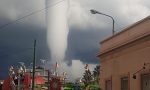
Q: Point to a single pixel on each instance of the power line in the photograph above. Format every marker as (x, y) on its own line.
(32, 13)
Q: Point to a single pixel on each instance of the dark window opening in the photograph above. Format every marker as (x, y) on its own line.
(108, 85)
(124, 83)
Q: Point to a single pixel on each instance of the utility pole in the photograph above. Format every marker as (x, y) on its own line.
(48, 79)
(34, 61)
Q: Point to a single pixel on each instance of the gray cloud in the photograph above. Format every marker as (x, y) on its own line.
(84, 44)
(125, 12)
(17, 45)
(14, 9)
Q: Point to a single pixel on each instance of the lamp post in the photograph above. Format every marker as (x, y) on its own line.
(97, 12)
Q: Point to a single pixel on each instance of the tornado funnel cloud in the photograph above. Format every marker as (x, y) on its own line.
(57, 29)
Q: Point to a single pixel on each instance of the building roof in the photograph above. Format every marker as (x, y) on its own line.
(128, 35)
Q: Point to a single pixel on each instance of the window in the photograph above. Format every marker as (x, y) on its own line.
(108, 85)
(124, 83)
(145, 82)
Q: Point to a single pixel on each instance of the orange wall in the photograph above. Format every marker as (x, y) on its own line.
(126, 60)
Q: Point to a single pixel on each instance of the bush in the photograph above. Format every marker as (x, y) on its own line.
(67, 88)
(94, 87)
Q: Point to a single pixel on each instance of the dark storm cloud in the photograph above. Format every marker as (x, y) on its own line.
(84, 44)
(16, 45)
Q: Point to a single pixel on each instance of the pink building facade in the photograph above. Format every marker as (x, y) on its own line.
(125, 58)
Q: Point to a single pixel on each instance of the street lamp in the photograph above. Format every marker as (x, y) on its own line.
(96, 12)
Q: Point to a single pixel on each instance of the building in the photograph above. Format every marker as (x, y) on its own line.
(21, 79)
(125, 58)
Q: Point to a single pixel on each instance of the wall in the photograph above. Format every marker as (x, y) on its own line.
(126, 59)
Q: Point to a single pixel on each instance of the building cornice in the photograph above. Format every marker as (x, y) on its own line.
(126, 29)
(132, 47)
(136, 31)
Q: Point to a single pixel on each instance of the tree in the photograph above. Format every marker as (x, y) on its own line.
(96, 73)
(87, 76)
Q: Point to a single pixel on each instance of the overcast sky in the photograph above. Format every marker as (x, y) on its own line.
(86, 30)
